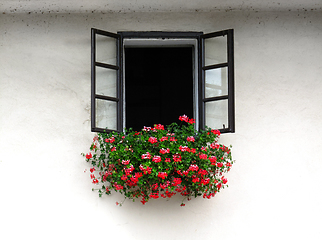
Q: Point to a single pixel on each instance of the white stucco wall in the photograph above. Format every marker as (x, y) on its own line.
(275, 185)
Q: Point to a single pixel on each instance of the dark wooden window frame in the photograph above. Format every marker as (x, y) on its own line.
(202, 68)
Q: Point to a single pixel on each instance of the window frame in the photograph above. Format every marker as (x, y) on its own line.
(231, 83)
(200, 72)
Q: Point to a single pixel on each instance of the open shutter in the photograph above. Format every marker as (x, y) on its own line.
(106, 91)
(217, 81)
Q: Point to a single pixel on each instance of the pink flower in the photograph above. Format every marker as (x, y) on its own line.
(125, 162)
(224, 180)
(192, 150)
(167, 160)
(118, 187)
(215, 131)
(190, 139)
(205, 181)
(184, 149)
(146, 156)
(162, 175)
(193, 167)
(195, 179)
(110, 140)
(156, 159)
(113, 149)
(147, 170)
(163, 139)
(176, 158)
(213, 160)
(202, 172)
(158, 127)
(147, 129)
(88, 155)
(153, 140)
(176, 181)
(92, 169)
(214, 146)
(154, 195)
(204, 149)
(164, 185)
(220, 164)
(203, 156)
(164, 151)
(129, 170)
(184, 118)
(192, 121)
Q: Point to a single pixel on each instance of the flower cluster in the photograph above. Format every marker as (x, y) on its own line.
(160, 161)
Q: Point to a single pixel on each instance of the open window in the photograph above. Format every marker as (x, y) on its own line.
(162, 75)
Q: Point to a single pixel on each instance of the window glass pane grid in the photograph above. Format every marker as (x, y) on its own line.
(106, 49)
(106, 113)
(216, 50)
(216, 82)
(106, 82)
(217, 114)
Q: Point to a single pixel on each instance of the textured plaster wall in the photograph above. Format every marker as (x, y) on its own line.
(274, 190)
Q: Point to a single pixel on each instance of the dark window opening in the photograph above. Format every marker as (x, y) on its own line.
(158, 85)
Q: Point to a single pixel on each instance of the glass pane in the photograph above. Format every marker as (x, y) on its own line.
(105, 82)
(215, 50)
(216, 82)
(105, 49)
(217, 114)
(106, 114)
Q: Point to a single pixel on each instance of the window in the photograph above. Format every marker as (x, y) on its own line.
(128, 67)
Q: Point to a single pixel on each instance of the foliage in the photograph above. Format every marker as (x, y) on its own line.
(160, 162)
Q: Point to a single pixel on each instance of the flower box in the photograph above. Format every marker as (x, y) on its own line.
(160, 162)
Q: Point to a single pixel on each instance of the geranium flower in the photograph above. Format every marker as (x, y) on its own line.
(193, 167)
(153, 140)
(156, 159)
(162, 175)
(176, 158)
(224, 180)
(190, 139)
(220, 164)
(184, 118)
(158, 127)
(146, 156)
(164, 138)
(191, 121)
(203, 156)
(164, 151)
(184, 149)
(125, 162)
